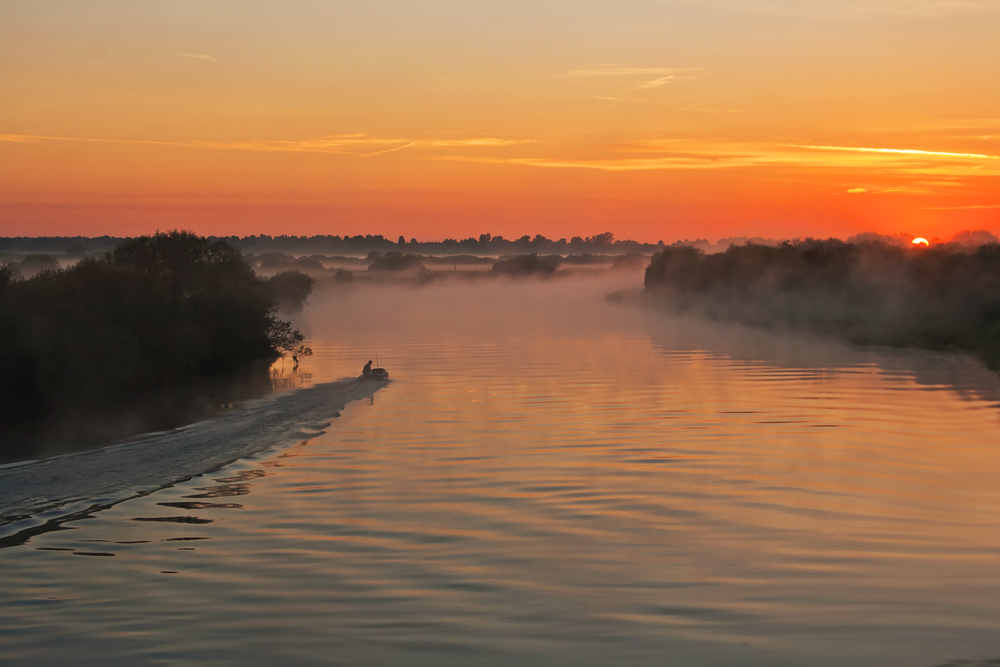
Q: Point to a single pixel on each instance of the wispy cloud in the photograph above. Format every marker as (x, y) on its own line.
(621, 164)
(903, 189)
(199, 56)
(644, 76)
(38, 138)
(925, 172)
(347, 144)
(711, 110)
(971, 207)
(665, 154)
(656, 83)
(390, 150)
(613, 69)
(897, 151)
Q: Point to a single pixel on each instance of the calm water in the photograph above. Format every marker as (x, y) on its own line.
(552, 479)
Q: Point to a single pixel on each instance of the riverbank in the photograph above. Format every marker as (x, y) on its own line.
(111, 474)
(942, 299)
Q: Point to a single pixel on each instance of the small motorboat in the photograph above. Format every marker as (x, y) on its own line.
(380, 374)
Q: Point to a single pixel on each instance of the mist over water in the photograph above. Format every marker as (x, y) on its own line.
(551, 478)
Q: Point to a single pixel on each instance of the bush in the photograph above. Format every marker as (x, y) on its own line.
(527, 265)
(290, 288)
(34, 264)
(395, 261)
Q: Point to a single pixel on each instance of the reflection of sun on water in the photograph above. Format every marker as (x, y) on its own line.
(921, 241)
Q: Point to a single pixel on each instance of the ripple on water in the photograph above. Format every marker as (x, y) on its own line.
(615, 488)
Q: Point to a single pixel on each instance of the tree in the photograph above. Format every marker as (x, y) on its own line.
(291, 288)
(605, 239)
(155, 321)
(9, 273)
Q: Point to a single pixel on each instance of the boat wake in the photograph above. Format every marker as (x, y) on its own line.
(33, 494)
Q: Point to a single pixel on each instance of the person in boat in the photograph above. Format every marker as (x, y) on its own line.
(367, 372)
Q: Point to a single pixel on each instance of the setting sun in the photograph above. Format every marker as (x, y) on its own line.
(921, 241)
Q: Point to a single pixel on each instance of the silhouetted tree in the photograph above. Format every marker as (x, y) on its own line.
(155, 316)
(527, 265)
(940, 298)
(395, 261)
(33, 264)
(290, 288)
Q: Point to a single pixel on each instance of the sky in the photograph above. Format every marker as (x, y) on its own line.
(652, 119)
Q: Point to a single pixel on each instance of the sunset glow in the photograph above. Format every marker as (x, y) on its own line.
(653, 120)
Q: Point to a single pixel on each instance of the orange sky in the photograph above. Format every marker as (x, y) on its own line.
(654, 119)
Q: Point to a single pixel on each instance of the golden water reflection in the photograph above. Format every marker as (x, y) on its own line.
(551, 479)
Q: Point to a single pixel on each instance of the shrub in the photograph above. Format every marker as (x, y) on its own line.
(290, 288)
(527, 265)
(395, 261)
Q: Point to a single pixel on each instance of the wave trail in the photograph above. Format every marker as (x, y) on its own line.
(111, 474)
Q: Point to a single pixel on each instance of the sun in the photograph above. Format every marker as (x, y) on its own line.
(921, 241)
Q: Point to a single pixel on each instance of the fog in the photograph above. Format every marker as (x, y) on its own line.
(807, 294)
(377, 318)
(471, 322)
(940, 298)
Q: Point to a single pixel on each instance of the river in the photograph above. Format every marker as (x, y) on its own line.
(552, 479)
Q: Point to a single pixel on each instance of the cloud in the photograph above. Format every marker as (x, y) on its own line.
(620, 164)
(971, 207)
(475, 141)
(898, 151)
(666, 154)
(345, 144)
(925, 171)
(390, 150)
(38, 138)
(712, 110)
(22, 138)
(642, 77)
(200, 56)
(905, 190)
(656, 83)
(630, 70)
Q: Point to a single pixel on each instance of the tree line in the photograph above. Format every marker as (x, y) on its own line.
(941, 298)
(483, 244)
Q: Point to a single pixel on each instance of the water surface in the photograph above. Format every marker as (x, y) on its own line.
(552, 479)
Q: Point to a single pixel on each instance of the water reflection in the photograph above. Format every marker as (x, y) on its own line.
(804, 355)
(293, 379)
(553, 480)
(201, 506)
(66, 523)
